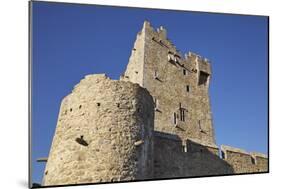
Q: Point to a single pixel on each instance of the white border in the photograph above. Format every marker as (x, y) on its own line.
(14, 91)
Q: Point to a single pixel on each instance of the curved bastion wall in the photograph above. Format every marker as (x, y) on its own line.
(104, 133)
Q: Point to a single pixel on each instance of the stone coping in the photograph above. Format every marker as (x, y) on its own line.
(176, 138)
(257, 154)
(233, 149)
(203, 143)
(241, 151)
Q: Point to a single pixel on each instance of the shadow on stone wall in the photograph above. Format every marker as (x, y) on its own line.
(172, 159)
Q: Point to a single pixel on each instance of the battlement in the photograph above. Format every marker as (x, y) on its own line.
(160, 36)
(244, 162)
(229, 149)
(182, 158)
(198, 146)
(259, 155)
(194, 56)
(176, 158)
(195, 144)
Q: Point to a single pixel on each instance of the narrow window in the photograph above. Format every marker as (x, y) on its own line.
(200, 127)
(175, 118)
(155, 102)
(184, 72)
(181, 114)
(187, 88)
(182, 118)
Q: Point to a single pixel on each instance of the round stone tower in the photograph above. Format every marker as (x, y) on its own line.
(104, 133)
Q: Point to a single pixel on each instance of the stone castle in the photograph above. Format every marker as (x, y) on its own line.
(155, 122)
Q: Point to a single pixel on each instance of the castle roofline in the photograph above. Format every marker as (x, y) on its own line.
(162, 33)
(241, 151)
(233, 149)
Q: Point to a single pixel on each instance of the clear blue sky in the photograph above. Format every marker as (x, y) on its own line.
(71, 41)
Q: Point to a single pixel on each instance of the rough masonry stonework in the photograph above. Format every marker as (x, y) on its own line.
(155, 122)
(104, 134)
(179, 85)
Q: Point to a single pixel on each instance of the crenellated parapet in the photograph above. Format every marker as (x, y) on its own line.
(244, 162)
(175, 157)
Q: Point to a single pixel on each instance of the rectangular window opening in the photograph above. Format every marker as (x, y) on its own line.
(182, 116)
(184, 72)
(199, 125)
(155, 102)
(187, 88)
(203, 78)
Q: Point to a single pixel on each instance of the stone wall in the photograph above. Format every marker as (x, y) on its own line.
(244, 162)
(182, 105)
(172, 159)
(104, 133)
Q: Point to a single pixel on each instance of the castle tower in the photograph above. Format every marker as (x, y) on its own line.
(104, 133)
(179, 85)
